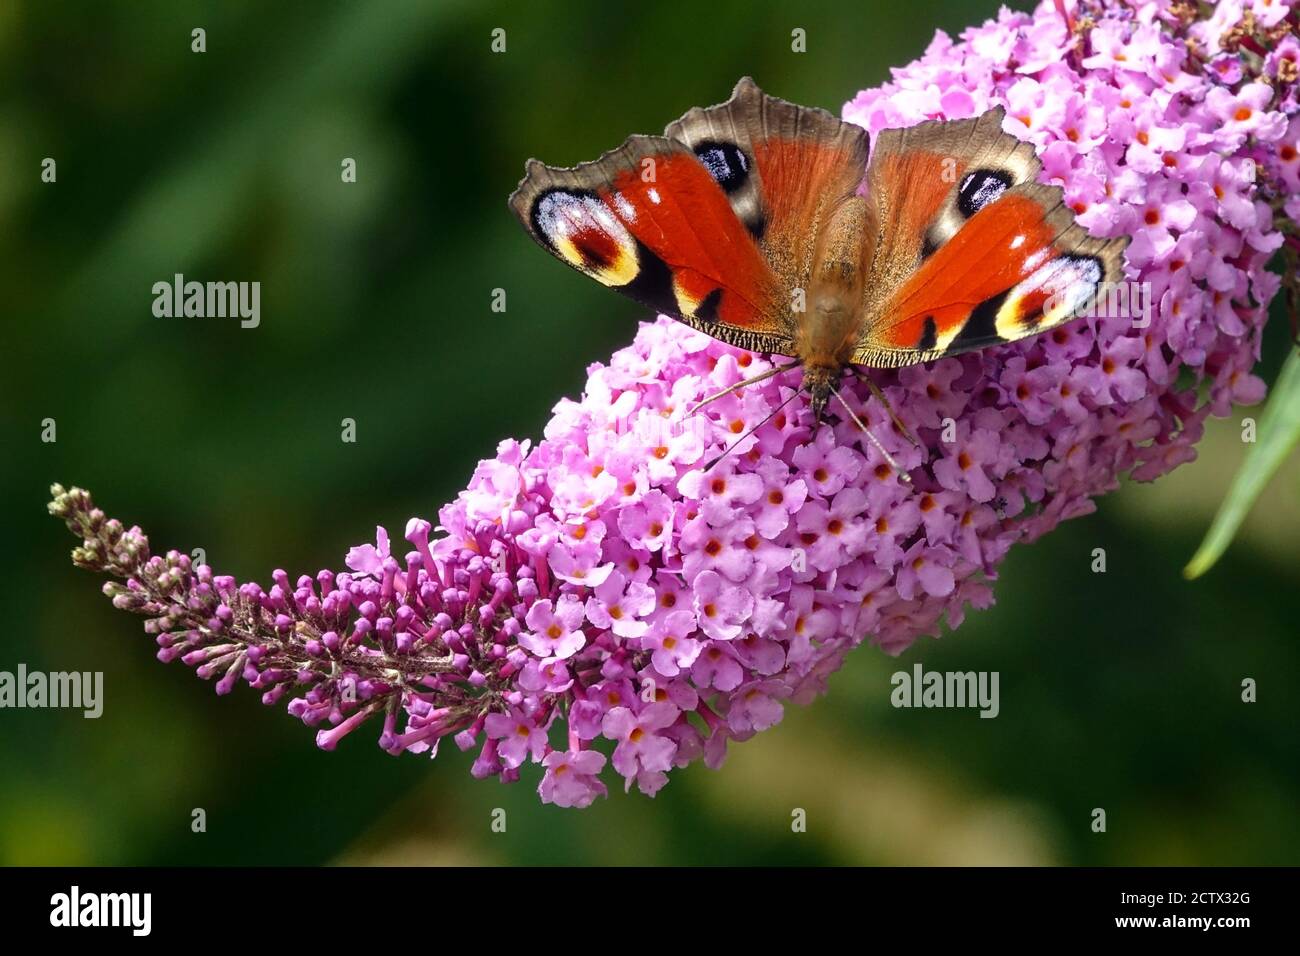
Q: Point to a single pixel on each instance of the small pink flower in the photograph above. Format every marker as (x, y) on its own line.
(721, 607)
(670, 640)
(641, 746)
(781, 497)
(706, 547)
(966, 462)
(556, 630)
(755, 708)
(718, 668)
(833, 534)
(518, 737)
(721, 493)
(578, 566)
(1244, 113)
(933, 396)
(894, 523)
(925, 569)
(1269, 13)
(825, 466)
(571, 778)
(648, 523)
(1227, 68)
(369, 558)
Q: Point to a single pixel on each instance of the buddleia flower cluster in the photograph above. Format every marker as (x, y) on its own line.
(601, 598)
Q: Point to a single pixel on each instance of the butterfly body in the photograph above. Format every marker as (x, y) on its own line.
(825, 340)
(761, 223)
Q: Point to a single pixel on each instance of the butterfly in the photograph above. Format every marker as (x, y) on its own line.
(748, 221)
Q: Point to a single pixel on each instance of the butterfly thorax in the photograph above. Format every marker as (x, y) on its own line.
(827, 334)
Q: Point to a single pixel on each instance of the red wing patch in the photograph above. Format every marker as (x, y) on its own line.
(999, 247)
(801, 180)
(678, 212)
(915, 186)
(649, 220)
(1018, 266)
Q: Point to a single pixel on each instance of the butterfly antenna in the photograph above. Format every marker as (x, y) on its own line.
(880, 397)
(898, 469)
(771, 415)
(857, 619)
(741, 384)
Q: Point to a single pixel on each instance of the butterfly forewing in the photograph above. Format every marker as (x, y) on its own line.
(649, 220)
(784, 168)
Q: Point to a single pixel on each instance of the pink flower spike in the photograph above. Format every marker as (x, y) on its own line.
(604, 580)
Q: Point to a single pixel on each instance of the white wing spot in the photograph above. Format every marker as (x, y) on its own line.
(563, 216)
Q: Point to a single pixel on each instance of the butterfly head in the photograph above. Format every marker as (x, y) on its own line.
(820, 382)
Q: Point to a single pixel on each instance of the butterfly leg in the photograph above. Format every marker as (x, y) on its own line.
(741, 384)
(889, 459)
(880, 397)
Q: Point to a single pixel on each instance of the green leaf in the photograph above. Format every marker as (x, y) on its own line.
(1279, 430)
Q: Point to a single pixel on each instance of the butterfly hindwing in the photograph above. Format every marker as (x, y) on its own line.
(649, 220)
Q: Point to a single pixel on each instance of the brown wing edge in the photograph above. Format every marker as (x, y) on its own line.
(979, 139)
(750, 116)
(776, 116)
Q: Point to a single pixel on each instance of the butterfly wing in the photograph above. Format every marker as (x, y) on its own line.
(1018, 267)
(784, 168)
(714, 223)
(971, 251)
(648, 220)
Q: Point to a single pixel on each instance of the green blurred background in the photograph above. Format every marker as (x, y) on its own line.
(1119, 690)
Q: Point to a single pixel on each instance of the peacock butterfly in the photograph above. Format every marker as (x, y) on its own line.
(746, 221)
